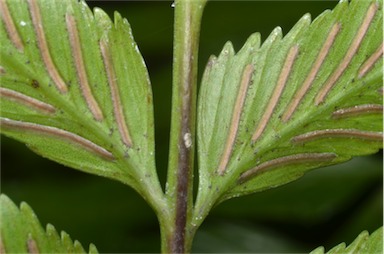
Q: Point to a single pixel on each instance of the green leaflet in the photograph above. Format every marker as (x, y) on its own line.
(312, 98)
(364, 243)
(21, 232)
(75, 89)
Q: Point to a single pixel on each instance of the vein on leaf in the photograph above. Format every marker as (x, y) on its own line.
(284, 161)
(2, 70)
(2, 247)
(32, 246)
(286, 70)
(12, 32)
(59, 133)
(74, 40)
(237, 110)
(338, 133)
(26, 100)
(117, 106)
(358, 110)
(349, 55)
(43, 46)
(371, 61)
(312, 74)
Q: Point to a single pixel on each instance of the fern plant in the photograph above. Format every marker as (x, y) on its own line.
(75, 89)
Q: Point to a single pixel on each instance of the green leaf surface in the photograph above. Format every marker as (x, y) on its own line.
(21, 232)
(273, 111)
(364, 243)
(75, 89)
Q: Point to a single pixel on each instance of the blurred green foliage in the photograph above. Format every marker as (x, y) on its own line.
(325, 207)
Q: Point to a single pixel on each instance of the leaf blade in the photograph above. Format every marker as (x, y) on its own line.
(67, 91)
(289, 99)
(21, 232)
(364, 243)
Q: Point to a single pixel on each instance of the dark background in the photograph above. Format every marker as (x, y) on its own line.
(325, 207)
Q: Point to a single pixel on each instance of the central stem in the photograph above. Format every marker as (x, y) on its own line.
(178, 238)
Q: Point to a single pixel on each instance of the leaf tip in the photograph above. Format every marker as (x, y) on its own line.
(276, 34)
(93, 249)
(227, 49)
(253, 41)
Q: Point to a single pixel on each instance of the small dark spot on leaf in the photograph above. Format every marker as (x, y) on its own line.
(35, 83)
